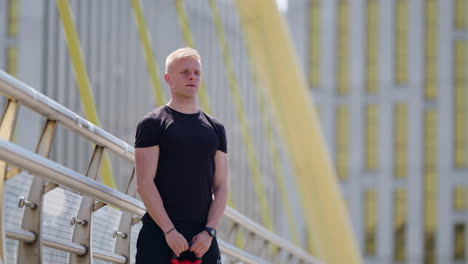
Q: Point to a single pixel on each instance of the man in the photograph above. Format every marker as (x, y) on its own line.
(182, 171)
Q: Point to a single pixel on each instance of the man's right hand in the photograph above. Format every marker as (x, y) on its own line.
(177, 242)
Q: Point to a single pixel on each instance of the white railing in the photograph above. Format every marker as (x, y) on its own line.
(262, 246)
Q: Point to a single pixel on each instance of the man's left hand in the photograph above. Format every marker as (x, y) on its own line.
(201, 243)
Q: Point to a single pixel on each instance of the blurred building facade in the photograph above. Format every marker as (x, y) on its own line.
(388, 78)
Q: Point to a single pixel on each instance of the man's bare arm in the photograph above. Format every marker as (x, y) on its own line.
(202, 241)
(146, 164)
(220, 190)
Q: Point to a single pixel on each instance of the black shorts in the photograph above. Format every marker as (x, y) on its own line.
(152, 247)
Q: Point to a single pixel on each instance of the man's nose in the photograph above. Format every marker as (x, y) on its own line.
(192, 76)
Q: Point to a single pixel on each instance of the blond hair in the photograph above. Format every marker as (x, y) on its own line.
(182, 53)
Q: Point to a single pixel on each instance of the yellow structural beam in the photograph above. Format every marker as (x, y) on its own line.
(252, 157)
(260, 73)
(265, 119)
(184, 24)
(330, 231)
(82, 79)
(148, 51)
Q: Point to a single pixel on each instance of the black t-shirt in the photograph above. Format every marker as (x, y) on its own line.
(185, 173)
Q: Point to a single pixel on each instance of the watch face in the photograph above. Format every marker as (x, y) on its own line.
(211, 231)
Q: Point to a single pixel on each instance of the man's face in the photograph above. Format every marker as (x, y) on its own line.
(184, 77)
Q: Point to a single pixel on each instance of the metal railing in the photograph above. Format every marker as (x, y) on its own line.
(262, 245)
(54, 172)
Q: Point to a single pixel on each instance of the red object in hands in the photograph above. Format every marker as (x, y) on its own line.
(174, 260)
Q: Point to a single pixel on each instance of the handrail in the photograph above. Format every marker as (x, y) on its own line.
(31, 98)
(239, 254)
(261, 231)
(27, 236)
(36, 101)
(40, 166)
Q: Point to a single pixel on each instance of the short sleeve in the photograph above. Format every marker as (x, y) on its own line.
(147, 133)
(222, 139)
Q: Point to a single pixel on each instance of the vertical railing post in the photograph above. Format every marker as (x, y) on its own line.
(123, 234)
(232, 233)
(31, 252)
(82, 222)
(7, 125)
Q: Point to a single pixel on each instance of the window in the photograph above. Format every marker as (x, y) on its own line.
(342, 142)
(399, 224)
(459, 104)
(430, 52)
(430, 185)
(371, 138)
(459, 11)
(342, 47)
(372, 73)
(460, 198)
(401, 140)
(314, 43)
(370, 222)
(459, 231)
(401, 41)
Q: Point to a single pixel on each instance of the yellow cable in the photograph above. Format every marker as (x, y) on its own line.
(82, 80)
(189, 42)
(148, 51)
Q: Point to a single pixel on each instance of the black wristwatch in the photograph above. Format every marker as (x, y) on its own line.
(211, 231)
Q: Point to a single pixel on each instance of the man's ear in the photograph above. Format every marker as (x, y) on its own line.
(167, 78)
